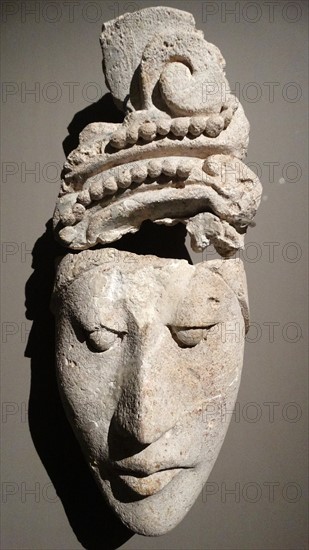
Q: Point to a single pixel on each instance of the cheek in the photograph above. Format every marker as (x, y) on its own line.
(89, 384)
(218, 359)
(221, 381)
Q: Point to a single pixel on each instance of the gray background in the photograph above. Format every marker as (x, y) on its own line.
(263, 43)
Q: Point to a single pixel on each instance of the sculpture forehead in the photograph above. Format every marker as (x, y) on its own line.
(171, 290)
(140, 289)
(105, 263)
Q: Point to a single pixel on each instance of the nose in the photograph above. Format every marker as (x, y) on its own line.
(150, 402)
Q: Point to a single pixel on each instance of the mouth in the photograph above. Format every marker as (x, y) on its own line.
(146, 485)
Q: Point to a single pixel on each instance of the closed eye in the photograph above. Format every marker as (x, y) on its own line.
(102, 339)
(189, 337)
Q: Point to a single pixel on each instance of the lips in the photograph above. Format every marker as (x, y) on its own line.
(147, 485)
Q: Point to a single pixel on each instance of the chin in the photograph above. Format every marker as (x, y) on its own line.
(157, 513)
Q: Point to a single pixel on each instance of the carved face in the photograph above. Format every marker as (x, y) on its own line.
(149, 354)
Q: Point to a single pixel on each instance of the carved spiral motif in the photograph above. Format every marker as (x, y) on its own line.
(183, 73)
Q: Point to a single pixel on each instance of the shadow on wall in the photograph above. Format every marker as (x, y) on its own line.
(93, 523)
(103, 110)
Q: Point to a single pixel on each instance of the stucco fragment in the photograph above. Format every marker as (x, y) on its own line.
(150, 350)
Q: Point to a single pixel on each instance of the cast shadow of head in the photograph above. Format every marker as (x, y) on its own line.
(94, 524)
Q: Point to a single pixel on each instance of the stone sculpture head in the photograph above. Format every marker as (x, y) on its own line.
(149, 347)
(148, 351)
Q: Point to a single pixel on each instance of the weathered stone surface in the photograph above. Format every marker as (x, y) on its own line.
(177, 154)
(149, 356)
(150, 350)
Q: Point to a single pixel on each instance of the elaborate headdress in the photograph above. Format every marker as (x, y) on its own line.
(177, 156)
